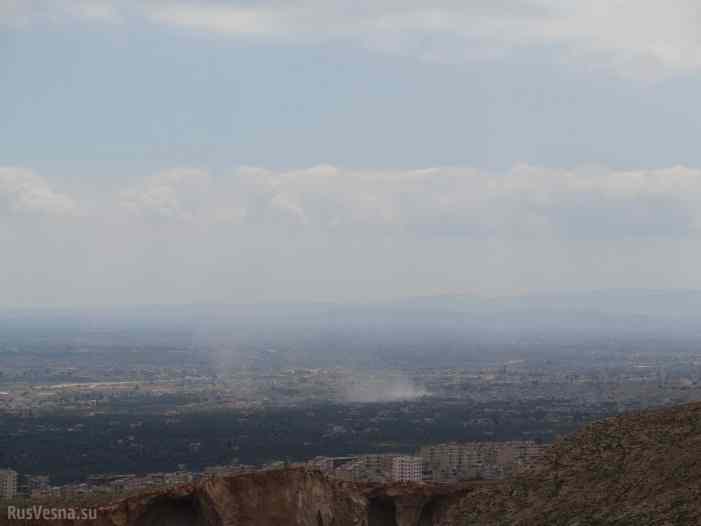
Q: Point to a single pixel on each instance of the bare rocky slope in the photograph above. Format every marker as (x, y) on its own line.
(634, 470)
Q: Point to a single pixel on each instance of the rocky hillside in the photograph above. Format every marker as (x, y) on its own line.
(635, 470)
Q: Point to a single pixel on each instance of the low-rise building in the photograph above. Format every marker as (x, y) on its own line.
(8, 483)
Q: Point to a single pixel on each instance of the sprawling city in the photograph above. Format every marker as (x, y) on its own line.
(133, 407)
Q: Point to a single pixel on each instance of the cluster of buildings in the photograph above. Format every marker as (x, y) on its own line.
(90, 390)
(442, 462)
(129, 483)
(39, 486)
(371, 468)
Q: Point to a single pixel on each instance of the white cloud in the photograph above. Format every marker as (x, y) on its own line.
(627, 34)
(527, 201)
(337, 233)
(244, 21)
(175, 194)
(24, 13)
(23, 192)
(631, 36)
(93, 10)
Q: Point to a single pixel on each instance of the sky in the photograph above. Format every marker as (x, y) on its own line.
(175, 152)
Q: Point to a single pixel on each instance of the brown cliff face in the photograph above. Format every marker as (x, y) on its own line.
(637, 470)
(299, 497)
(291, 497)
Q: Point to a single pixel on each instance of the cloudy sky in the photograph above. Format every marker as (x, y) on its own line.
(165, 152)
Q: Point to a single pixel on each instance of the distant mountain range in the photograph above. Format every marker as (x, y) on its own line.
(653, 303)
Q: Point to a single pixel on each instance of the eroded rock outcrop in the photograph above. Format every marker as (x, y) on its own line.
(290, 497)
(294, 497)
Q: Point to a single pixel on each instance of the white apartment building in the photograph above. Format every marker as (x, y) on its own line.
(8, 484)
(405, 468)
